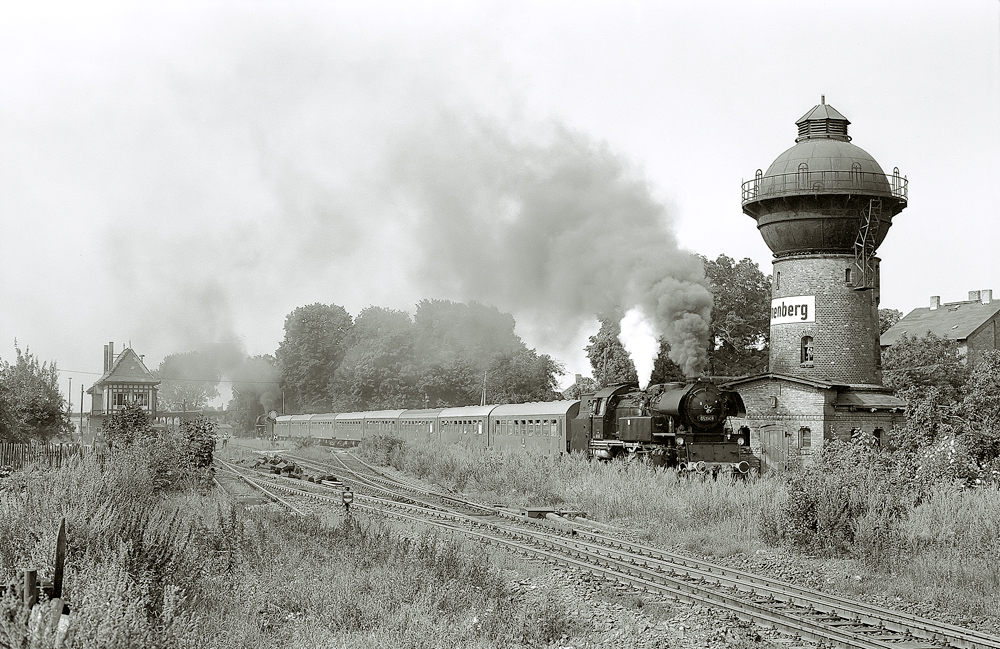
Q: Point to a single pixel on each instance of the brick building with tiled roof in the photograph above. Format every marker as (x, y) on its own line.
(974, 323)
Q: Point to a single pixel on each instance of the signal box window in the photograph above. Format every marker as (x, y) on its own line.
(807, 349)
(805, 438)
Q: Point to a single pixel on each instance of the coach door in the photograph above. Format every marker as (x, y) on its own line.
(773, 448)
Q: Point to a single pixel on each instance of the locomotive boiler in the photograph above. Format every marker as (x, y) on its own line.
(679, 425)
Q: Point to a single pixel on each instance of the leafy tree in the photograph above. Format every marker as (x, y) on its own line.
(522, 376)
(664, 369)
(887, 318)
(316, 340)
(188, 381)
(126, 426)
(461, 346)
(199, 434)
(255, 393)
(915, 364)
(608, 357)
(31, 407)
(741, 325)
(379, 369)
(981, 407)
(583, 385)
(929, 374)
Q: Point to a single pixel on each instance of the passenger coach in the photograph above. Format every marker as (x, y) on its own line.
(539, 426)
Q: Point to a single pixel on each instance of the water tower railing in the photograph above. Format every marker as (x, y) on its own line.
(825, 182)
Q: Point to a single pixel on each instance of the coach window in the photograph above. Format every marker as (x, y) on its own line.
(807, 349)
(805, 438)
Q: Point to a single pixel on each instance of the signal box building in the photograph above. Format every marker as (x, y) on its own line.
(974, 323)
(125, 379)
(823, 207)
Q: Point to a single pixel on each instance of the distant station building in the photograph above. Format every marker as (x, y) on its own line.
(974, 323)
(823, 207)
(125, 379)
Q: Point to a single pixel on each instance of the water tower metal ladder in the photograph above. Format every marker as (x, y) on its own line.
(864, 245)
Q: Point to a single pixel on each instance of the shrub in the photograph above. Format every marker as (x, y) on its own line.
(852, 499)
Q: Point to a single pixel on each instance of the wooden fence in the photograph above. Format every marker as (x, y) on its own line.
(16, 456)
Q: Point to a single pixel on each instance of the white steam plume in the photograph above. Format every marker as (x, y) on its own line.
(640, 342)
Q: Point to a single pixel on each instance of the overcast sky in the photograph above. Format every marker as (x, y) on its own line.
(176, 175)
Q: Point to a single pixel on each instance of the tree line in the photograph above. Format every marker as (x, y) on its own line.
(446, 354)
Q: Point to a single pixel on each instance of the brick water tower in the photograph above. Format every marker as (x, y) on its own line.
(823, 207)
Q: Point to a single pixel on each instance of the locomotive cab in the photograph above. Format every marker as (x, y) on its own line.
(595, 428)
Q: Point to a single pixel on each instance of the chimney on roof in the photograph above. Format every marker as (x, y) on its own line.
(973, 296)
(111, 355)
(935, 302)
(105, 358)
(986, 295)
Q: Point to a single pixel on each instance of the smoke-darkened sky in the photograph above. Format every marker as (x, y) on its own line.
(187, 174)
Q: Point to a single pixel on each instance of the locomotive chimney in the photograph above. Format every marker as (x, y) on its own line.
(935, 302)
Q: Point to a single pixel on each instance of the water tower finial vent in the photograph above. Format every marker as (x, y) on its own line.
(823, 121)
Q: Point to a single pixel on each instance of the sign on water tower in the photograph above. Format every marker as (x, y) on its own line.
(790, 310)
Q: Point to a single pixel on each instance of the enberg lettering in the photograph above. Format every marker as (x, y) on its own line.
(792, 310)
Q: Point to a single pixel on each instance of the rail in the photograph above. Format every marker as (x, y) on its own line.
(808, 615)
(825, 182)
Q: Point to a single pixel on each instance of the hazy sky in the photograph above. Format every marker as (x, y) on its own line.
(181, 174)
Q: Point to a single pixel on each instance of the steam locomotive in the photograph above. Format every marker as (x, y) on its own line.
(679, 425)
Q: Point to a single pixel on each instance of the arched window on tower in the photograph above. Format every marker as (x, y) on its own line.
(856, 175)
(807, 349)
(803, 176)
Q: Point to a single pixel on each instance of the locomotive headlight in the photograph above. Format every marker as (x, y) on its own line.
(680, 441)
(739, 441)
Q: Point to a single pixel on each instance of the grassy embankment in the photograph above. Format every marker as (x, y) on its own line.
(176, 565)
(877, 531)
(157, 560)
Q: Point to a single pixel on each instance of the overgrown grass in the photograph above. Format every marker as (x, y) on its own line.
(856, 505)
(185, 569)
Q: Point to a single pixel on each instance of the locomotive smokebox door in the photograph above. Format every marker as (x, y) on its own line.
(635, 429)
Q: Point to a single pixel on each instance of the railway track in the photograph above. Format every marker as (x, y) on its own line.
(807, 615)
